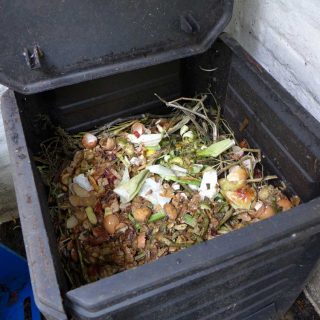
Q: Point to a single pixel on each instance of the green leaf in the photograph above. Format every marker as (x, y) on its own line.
(154, 148)
(136, 224)
(185, 180)
(91, 215)
(129, 189)
(157, 216)
(189, 220)
(217, 148)
(204, 206)
(162, 171)
(140, 256)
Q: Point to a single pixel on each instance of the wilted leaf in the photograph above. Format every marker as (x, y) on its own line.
(217, 148)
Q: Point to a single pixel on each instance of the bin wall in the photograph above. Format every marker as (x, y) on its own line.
(251, 272)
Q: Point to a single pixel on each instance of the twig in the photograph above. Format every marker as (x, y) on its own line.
(83, 267)
(226, 168)
(225, 218)
(262, 179)
(175, 104)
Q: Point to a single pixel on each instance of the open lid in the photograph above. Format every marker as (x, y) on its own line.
(54, 43)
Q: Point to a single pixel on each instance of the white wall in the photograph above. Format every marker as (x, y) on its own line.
(284, 36)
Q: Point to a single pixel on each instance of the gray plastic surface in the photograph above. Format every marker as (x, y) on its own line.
(50, 44)
(234, 276)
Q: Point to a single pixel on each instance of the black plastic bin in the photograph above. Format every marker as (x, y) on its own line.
(253, 273)
(84, 63)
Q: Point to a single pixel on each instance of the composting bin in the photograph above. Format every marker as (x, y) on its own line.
(252, 273)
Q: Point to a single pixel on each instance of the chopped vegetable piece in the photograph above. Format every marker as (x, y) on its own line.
(162, 171)
(225, 218)
(89, 141)
(80, 192)
(157, 216)
(285, 204)
(188, 136)
(227, 185)
(107, 211)
(186, 180)
(141, 240)
(217, 148)
(177, 160)
(153, 191)
(141, 214)
(204, 206)
(83, 182)
(196, 168)
(183, 130)
(72, 222)
(140, 256)
(237, 173)
(83, 201)
(138, 127)
(154, 148)
(136, 224)
(91, 215)
(171, 211)
(181, 227)
(110, 223)
(265, 212)
(148, 140)
(179, 171)
(205, 225)
(189, 220)
(208, 184)
(241, 198)
(108, 144)
(128, 190)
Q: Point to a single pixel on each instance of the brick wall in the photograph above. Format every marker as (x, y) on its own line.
(284, 36)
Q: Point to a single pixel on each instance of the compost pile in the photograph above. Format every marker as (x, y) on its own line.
(138, 190)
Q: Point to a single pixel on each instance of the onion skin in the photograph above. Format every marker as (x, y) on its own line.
(108, 143)
(72, 222)
(237, 173)
(83, 202)
(171, 211)
(138, 129)
(227, 185)
(121, 227)
(141, 240)
(65, 178)
(141, 214)
(265, 212)
(285, 204)
(78, 191)
(89, 140)
(242, 198)
(110, 223)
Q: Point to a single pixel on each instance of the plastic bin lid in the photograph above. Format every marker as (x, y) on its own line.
(49, 44)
